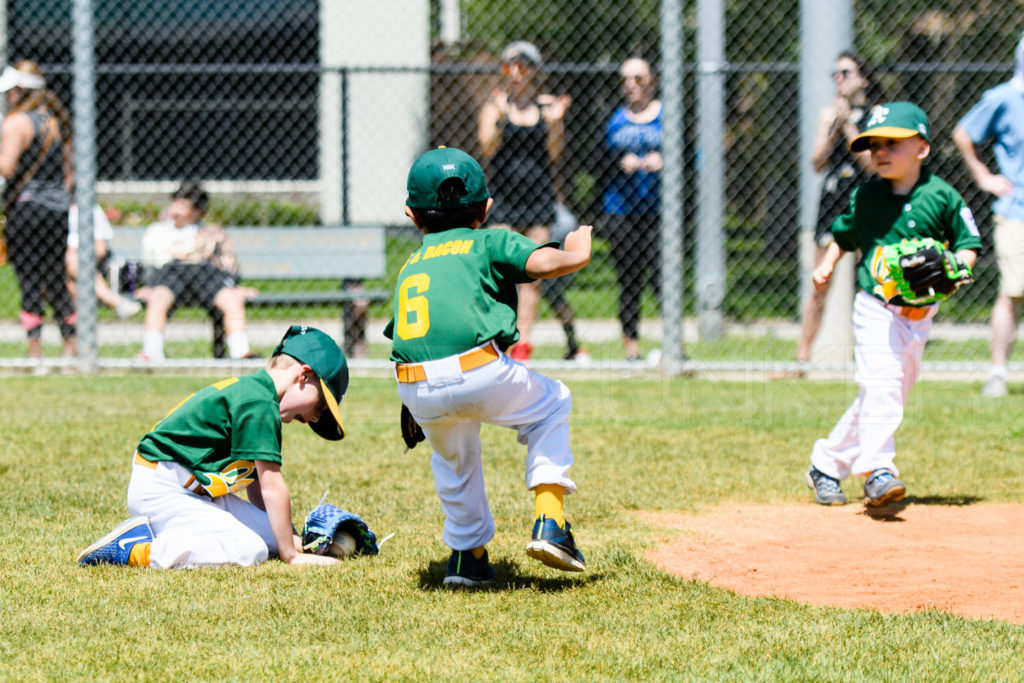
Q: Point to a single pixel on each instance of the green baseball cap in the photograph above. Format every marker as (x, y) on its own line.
(445, 178)
(316, 349)
(893, 120)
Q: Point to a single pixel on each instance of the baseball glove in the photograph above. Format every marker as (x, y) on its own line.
(922, 271)
(412, 433)
(326, 520)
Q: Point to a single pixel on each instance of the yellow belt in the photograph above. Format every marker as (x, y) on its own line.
(192, 484)
(139, 460)
(409, 373)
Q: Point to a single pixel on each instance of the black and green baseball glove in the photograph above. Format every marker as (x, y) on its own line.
(923, 271)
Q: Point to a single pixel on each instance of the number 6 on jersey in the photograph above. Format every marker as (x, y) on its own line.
(413, 318)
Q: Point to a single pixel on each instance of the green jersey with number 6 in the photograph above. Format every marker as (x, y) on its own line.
(217, 432)
(458, 291)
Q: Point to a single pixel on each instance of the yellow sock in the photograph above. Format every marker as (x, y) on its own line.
(478, 552)
(549, 502)
(139, 555)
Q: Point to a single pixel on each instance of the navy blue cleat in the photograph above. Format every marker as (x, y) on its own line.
(116, 547)
(555, 546)
(468, 572)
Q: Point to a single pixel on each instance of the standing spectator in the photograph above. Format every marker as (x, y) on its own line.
(35, 158)
(195, 265)
(632, 199)
(999, 117)
(103, 232)
(522, 133)
(838, 124)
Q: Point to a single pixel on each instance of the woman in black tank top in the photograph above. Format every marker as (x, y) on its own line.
(838, 123)
(522, 135)
(35, 158)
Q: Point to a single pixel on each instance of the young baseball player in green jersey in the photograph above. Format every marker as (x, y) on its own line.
(219, 441)
(454, 317)
(904, 202)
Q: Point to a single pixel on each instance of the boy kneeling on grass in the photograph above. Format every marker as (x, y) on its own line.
(217, 442)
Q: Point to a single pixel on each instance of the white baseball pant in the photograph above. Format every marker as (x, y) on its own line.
(196, 531)
(887, 349)
(451, 405)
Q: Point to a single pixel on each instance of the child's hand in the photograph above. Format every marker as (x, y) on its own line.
(821, 275)
(579, 240)
(309, 559)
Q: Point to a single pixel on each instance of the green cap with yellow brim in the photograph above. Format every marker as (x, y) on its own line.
(316, 349)
(893, 120)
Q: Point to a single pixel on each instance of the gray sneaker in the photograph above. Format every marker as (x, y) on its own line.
(826, 489)
(995, 387)
(882, 487)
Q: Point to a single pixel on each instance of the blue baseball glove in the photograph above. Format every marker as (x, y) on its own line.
(326, 520)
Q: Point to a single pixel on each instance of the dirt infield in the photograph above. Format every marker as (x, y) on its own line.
(962, 558)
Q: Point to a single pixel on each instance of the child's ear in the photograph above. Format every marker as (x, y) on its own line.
(481, 216)
(924, 150)
(308, 375)
(412, 216)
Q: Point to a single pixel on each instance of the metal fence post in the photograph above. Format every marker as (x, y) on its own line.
(84, 106)
(826, 28)
(711, 191)
(672, 186)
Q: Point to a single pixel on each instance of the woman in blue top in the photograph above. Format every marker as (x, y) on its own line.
(632, 199)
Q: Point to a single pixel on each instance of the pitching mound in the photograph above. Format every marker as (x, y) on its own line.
(962, 559)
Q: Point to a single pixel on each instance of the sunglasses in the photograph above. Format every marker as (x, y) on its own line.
(844, 73)
(506, 67)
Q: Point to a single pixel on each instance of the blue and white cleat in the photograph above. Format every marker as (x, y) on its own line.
(116, 547)
(555, 546)
(882, 487)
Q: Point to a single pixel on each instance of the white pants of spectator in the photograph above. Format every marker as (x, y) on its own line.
(196, 531)
(887, 349)
(451, 405)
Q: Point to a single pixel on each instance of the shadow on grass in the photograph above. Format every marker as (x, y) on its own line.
(890, 512)
(510, 576)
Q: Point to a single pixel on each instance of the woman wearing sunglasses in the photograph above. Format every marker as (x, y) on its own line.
(522, 134)
(838, 123)
(632, 197)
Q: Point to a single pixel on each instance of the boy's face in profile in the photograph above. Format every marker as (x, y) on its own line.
(898, 158)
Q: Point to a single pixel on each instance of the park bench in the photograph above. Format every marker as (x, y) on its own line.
(337, 257)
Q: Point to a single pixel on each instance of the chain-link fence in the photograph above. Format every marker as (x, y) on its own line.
(297, 113)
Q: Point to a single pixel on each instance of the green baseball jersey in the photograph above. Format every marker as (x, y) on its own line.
(218, 432)
(877, 217)
(458, 291)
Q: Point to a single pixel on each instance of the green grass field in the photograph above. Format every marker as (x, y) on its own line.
(639, 445)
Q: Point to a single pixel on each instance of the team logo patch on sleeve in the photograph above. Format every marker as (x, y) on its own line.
(968, 217)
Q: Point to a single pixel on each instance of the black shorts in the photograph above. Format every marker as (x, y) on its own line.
(522, 214)
(193, 284)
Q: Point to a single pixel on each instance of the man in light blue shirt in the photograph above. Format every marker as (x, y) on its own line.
(999, 117)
